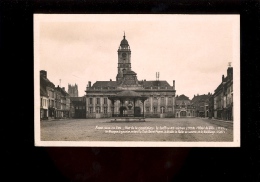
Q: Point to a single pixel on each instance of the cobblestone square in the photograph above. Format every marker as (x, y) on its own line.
(153, 129)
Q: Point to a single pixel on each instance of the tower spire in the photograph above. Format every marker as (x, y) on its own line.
(124, 34)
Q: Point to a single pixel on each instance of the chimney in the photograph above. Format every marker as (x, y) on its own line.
(43, 73)
(63, 88)
(89, 84)
(223, 78)
(230, 71)
(111, 80)
(173, 84)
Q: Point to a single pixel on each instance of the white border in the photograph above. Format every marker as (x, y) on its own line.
(73, 17)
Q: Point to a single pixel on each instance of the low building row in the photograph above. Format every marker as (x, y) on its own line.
(222, 101)
(54, 101)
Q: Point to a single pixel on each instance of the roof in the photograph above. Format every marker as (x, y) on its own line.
(46, 82)
(63, 92)
(182, 97)
(130, 72)
(105, 84)
(76, 99)
(127, 94)
(226, 79)
(155, 83)
(43, 91)
(124, 42)
(198, 98)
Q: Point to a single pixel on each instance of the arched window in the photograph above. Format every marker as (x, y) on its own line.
(162, 110)
(98, 109)
(154, 109)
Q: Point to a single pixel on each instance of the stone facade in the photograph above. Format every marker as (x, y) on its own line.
(201, 104)
(184, 107)
(55, 101)
(44, 102)
(161, 96)
(62, 103)
(223, 97)
(47, 96)
(78, 107)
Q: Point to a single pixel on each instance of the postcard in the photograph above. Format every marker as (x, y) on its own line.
(137, 80)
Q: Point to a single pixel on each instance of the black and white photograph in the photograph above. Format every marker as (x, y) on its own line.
(137, 80)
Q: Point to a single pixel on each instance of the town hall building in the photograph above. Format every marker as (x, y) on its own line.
(159, 94)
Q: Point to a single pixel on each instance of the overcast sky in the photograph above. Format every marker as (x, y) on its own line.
(193, 50)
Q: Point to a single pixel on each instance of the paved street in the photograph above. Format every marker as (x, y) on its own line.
(153, 129)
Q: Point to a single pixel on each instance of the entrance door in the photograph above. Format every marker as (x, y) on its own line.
(137, 111)
(183, 114)
(121, 110)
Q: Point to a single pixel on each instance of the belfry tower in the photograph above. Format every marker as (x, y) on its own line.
(124, 59)
(73, 90)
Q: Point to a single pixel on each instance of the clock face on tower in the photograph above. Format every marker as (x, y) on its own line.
(124, 55)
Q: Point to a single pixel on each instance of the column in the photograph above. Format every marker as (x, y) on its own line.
(173, 104)
(94, 104)
(159, 105)
(151, 99)
(108, 106)
(87, 104)
(116, 106)
(101, 104)
(166, 103)
(134, 107)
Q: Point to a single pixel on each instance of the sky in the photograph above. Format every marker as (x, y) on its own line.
(193, 50)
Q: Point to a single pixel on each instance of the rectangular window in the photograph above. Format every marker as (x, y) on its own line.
(162, 100)
(169, 101)
(147, 109)
(105, 110)
(41, 102)
(98, 100)
(98, 110)
(169, 109)
(105, 100)
(90, 110)
(154, 109)
(90, 101)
